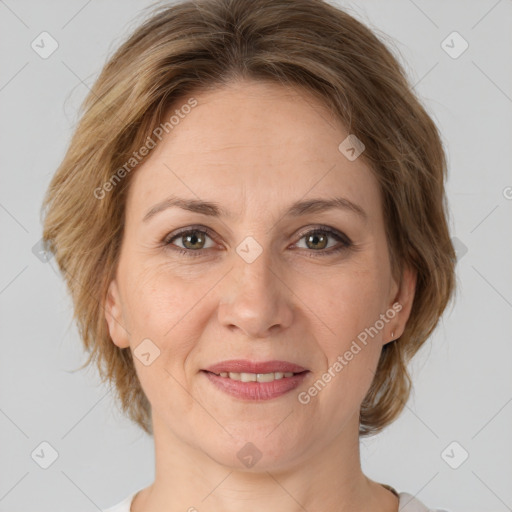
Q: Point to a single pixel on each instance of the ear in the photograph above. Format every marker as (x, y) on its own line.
(401, 305)
(114, 316)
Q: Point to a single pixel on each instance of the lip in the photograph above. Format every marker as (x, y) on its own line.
(245, 366)
(256, 390)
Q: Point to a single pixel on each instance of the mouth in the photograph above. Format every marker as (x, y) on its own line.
(255, 367)
(256, 377)
(247, 380)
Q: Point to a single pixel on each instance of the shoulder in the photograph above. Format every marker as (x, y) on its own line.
(408, 503)
(123, 506)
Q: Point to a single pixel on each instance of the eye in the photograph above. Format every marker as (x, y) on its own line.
(192, 239)
(317, 239)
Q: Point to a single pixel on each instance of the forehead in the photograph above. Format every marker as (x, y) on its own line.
(253, 144)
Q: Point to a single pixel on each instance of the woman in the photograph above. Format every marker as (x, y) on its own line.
(251, 221)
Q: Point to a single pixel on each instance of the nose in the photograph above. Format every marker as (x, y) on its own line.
(255, 299)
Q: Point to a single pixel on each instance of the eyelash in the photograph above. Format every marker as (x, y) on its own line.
(345, 241)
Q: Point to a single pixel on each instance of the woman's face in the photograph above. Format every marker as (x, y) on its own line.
(251, 280)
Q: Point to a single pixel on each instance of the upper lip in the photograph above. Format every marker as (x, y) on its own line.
(245, 366)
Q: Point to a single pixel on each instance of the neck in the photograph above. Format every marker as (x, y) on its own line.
(331, 480)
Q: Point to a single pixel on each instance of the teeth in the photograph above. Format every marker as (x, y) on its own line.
(256, 377)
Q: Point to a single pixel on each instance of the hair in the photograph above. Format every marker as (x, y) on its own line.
(184, 48)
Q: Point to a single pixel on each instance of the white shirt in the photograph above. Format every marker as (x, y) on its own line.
(407, 503)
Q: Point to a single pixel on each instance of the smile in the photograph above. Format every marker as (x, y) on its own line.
(255, 386)
(256, 377)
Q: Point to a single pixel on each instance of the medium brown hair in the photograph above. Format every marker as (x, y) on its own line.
(191, 46)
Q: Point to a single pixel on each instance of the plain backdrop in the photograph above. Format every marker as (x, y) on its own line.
(462, 399)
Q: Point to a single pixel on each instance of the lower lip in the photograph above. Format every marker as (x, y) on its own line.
(256, 390)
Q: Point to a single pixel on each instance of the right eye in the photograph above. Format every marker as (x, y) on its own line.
(192, 239)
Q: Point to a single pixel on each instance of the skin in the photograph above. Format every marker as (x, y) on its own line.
(254, 148)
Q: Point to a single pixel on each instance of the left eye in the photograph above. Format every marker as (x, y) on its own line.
(317, 239)
(320, 239)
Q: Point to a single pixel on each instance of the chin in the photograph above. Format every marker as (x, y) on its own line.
(255, 452)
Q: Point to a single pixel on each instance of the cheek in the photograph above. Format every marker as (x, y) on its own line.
(157, 300)
(350, 305)
(351, 301)
(167, 310)
(161, 309)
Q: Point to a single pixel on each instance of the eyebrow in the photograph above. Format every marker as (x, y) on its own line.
(297, 209)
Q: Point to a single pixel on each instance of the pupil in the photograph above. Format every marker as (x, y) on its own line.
(192, 239)
(316, 238)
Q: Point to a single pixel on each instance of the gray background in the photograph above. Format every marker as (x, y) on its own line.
(463, 378)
